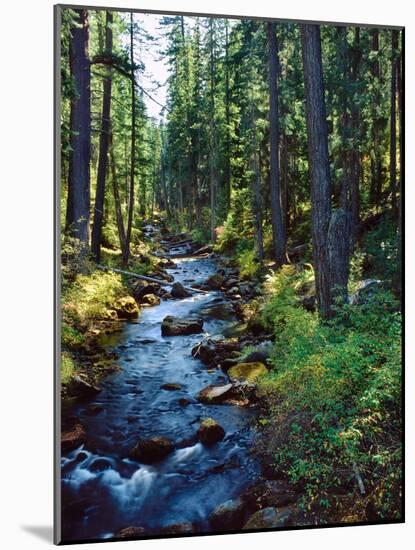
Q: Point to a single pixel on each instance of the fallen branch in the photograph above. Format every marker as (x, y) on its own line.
(146, 278)
(177, 244)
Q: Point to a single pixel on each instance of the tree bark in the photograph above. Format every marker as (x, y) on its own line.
(212, 159)
(393, 189)
(103, 149)
(78, 202)
(228, 122)
(376, 161)
(117, 200)
(126, 252)
(278, 230)
(318, 162)
(356, 153)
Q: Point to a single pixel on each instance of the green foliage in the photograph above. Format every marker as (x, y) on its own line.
(383, 253)
(90, 296)
(67, 368)
(248, 264)
(334, 396)
(71, 338)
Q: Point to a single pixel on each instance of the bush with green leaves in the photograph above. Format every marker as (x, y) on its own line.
(333, 399)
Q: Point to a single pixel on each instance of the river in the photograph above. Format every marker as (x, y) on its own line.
(102, 489)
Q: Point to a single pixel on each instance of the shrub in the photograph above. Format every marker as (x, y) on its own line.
(67, 368)
(90, 296)
(333, 398)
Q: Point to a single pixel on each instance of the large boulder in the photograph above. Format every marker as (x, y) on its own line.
(144, 288)
(126, 308)
(178, 291)
(152, 450)
(215, 282)
(210, 432)
(215, 394)
(247, 372)
(150, 300)
(270, 493)
(212, 352)
(79, 387)
(273, 518)
(173, 326)
(267, 518)
(256, 356)
(229, 515)
(205, 351)
(73, 438)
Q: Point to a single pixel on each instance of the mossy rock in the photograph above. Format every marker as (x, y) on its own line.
(247, 372)
(150, 300)
(210, 432)
(126, 308)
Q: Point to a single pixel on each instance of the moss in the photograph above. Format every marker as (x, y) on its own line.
(67, 368)
(249, 372)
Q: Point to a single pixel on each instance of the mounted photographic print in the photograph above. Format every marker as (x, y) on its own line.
(229, 213)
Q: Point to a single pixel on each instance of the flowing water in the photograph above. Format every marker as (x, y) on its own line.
(102, 489)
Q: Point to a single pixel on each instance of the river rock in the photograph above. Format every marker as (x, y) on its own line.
(126, 308)
(152, 450)
(73, 438)
(171, 386)
(177, 529)
(214, 282)
(166, 263)
(205, 351)
(267, 518)
(215, 394)
(231, 282)
(247, 372)
(258, 356)
(130, 532)
(229, 362)
(184, 402)
(79, 387)
(144, 288)
(270, 493)
(150, 300)
(173, 326)
(210, 432)
(178, 291)
(229, 515)
(99, 465)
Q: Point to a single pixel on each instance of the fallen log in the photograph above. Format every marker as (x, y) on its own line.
(133, 275)
(177, 244)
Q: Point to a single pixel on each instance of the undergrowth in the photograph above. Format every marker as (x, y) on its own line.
(333, 399)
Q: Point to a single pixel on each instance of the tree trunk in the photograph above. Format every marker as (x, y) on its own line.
(393, 121)
(278, 231)
(356, 154)
(401, 122)
(117, 200)
(228, 122)
(103, 149)
(78, 204)
(126, 252)
(338, 246)
(318, 162)
(376, 183)
(212, 159)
